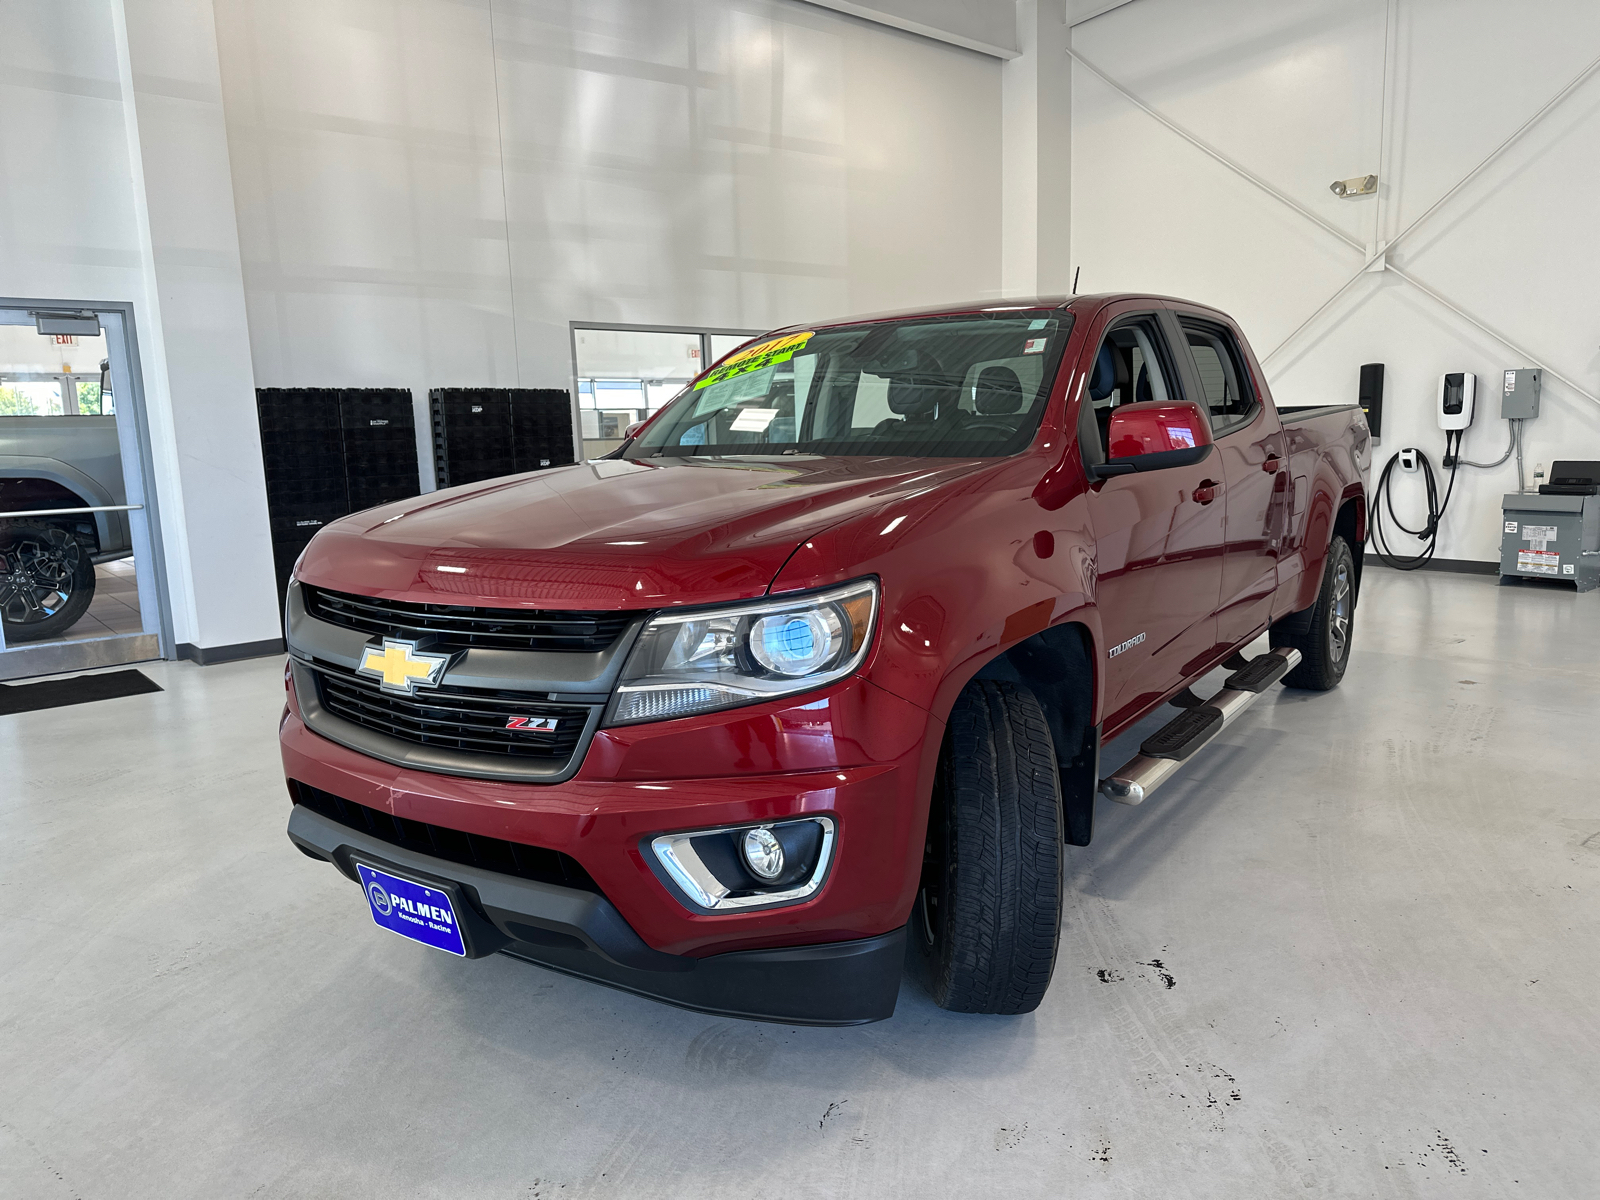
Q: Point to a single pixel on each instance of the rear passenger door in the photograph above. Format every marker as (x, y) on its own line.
(1158, 534)
(1251, 459)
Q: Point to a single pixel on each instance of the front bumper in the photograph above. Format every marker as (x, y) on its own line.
(581, 933)
(853, 753)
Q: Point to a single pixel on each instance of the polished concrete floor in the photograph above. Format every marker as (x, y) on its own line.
(1352, 953)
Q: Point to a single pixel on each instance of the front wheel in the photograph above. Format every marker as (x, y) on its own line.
(46, 580)
(989, 912)
(1322, 633)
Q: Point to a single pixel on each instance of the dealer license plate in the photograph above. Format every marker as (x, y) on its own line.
(413, 910)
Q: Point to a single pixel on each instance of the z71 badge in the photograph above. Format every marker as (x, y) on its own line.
(532, 724)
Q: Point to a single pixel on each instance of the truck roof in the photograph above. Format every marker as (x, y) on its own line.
(1079, 305)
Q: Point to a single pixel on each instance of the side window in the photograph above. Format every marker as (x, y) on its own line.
(1222, 374)
(1132, 365)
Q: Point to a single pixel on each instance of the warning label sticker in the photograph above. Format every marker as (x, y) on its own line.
(1539, 536)
(1539, 562)
(756, 358)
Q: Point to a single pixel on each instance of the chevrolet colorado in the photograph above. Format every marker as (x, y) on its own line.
(821, 660)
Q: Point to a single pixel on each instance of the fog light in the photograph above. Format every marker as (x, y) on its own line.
(745, 867)
(763, 854)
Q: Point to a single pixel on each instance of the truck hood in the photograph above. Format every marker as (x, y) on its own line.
(611, 534)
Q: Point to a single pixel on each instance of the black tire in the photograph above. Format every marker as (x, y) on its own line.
(1322, 633)
(988, 917)
(46, 580)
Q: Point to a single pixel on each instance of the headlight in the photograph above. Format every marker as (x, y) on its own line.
(695, 662)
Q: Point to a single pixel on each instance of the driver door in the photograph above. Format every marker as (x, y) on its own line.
(1159, 534)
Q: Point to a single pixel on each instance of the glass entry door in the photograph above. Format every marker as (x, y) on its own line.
(80, 581)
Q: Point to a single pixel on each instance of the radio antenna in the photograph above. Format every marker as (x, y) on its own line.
(1075, 280)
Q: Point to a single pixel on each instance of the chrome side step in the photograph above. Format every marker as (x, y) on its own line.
(1164, 751)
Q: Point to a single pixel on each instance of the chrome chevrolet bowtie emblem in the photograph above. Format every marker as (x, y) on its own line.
(401, 667)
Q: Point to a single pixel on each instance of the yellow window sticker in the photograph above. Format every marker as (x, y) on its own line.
(757, 357)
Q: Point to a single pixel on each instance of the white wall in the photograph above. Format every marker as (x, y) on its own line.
(71, 225)
(198, 367)
(987, 25)
(67, 224)
(426, 192)
(1293, 91)
(429, 191)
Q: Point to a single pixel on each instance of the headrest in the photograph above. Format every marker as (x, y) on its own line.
(917, 392)
(1142, 390)
(999, 392)
(1104, 379)
(913, 395)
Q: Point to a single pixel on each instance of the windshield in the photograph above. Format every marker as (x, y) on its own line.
(953, 387)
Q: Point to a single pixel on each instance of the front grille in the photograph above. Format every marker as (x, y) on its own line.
(469, 849)
(457, 627)
(468, 719)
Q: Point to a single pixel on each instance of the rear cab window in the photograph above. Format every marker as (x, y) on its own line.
(1229, 394)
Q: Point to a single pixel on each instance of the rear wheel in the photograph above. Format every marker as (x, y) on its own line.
(989, 911)
(46, 580)
(1322, 633)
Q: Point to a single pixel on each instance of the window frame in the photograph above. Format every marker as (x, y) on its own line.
(1222, 424)
(1091, 446)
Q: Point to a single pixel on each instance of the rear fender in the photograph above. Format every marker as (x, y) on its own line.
(1349, 521)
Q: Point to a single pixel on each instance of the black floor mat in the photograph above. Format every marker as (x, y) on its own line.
(58, 693)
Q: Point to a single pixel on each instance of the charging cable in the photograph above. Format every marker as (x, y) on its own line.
(1429, 533)
(1383, 498)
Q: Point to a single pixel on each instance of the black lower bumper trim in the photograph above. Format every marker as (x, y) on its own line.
(581, 933)
(836, 983)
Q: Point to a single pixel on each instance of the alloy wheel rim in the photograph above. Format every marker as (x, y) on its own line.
(37, 581)
(1339, 618)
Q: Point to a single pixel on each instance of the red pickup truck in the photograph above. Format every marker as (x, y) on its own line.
(816, 669)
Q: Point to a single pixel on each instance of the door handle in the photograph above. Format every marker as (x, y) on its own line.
(1206, 492)
(1272, 464)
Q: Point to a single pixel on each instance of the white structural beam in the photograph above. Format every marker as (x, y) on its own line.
(988, 26)
(1212, 151)
(1036, 155)
(199, 376)
(1377, 258)
(1079, 11)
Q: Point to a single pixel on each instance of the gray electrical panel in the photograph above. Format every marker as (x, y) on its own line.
(1551, 537)
(1520, 399)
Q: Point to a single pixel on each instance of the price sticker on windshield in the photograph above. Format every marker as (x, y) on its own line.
(756, 358)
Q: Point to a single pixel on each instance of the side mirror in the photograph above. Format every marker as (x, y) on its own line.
(1154, 435)
(633, 429)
